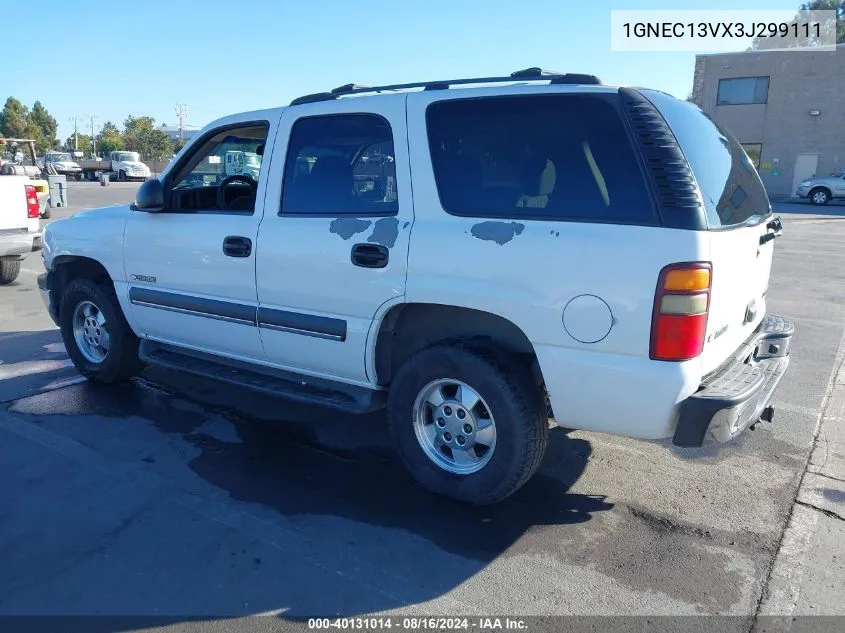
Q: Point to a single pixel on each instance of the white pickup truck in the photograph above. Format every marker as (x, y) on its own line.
(463, 256)
(20, 232)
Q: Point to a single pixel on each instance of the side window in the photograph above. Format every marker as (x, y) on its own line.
(743, 90)
(730, 186)
(222, 174)
(340, 164)
(558, 157)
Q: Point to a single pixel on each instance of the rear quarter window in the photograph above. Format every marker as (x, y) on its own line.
(730, 185)
(557, 157)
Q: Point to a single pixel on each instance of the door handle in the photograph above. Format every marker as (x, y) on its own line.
(370, 255)
(237, 246)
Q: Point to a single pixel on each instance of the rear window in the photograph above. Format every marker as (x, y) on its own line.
(561, 157)
(730, 185)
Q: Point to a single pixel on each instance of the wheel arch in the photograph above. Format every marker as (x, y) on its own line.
(407, 328)
(824, 188)
(65, 268)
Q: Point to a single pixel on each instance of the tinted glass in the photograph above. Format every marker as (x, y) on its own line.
(729, 183)
(340, 165)
(563, 157)
(743, 90)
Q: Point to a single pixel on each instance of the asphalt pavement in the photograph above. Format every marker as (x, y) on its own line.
(176, 496)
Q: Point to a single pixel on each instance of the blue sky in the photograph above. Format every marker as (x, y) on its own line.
(112, 59)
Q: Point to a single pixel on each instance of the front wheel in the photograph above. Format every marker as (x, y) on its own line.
(121, 176)
(96, 335)
(819, 196)
(468, 423)
(9, 270)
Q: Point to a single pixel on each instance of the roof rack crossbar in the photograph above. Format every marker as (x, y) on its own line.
(528, 74)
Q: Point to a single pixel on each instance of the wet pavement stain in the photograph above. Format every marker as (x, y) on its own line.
(369, 486)
(136, 399)
(301, 461)
(644, 551)
(304, 461)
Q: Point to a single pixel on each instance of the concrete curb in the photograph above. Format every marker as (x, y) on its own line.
(821, 495)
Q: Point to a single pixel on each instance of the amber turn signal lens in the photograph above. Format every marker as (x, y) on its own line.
(687, 279)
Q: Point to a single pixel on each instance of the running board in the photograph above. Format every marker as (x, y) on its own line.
(276, 382)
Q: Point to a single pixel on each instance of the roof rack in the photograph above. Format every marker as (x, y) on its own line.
(527, 74)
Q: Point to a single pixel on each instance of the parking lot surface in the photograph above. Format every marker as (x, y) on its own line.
(178, 496)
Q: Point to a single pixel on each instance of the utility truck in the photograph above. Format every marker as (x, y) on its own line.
(120, 165)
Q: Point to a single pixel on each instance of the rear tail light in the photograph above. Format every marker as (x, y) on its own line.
(679, 320)
(32, 210)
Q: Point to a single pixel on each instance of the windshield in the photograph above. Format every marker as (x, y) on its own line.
(129, 157)
(55, 158)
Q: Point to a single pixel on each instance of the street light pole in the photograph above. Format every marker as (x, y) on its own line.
(93, 139)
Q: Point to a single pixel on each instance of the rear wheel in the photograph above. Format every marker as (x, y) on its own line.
(96, 335)
(9, 270)
(819, 196)
(468, 423)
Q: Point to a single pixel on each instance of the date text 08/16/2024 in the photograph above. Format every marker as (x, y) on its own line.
(418, 623)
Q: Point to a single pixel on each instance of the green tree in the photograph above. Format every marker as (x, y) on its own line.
(763, 43)
(46, 126)
(141, 135)
(14, 120)
(109, 139)
(84, 141)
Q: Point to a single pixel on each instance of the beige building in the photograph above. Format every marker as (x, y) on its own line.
(787, 108)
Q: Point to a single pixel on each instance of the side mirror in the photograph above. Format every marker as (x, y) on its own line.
(150, 196)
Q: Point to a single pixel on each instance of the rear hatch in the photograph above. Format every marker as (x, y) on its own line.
(741, 228)
(13, 216)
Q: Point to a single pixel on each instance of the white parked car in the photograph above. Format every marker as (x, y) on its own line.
(821, 190)
(606, 247)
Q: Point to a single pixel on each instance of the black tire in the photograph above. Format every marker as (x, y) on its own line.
(121, 176)
(9, 270)
(515, 401)
(121, 361)
(45, 215)
(824, 199)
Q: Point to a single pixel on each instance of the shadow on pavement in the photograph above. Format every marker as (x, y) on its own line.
(32, 362)
(308, 467)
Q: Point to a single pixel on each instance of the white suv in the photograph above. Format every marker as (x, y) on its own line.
(464, 253)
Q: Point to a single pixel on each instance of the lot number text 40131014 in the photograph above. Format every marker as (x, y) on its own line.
(419, 623)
